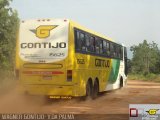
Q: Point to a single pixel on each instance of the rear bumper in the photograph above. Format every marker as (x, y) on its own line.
(52, 90)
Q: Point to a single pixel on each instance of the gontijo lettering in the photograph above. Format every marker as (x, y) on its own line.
(102, 63)
(43, 45)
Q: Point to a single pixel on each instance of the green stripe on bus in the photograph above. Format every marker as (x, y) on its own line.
(114, 71)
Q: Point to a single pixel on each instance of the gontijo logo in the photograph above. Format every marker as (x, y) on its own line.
(43, 31)
(152, 111)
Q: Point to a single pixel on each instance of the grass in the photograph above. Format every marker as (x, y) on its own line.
(148, 77)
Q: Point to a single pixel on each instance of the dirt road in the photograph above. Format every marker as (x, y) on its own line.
(112, 104)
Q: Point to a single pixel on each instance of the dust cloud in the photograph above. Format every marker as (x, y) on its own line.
(13, 101)
(136, 92)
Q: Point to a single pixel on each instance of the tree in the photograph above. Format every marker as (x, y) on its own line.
(8, 29)
(145, 58)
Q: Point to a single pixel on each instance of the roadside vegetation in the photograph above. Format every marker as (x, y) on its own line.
(145, 64)
(148, 77)
(9, 22)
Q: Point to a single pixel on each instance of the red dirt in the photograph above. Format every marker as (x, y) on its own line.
(111, 104)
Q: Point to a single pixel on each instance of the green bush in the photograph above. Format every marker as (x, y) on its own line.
(147, 77)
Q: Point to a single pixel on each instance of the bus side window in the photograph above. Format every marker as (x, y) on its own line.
(77, 40)
(121, 53)
(83, 43)
(92, 44)
(118, 52)
(111, 50)
(101, 46)
(97, 46)
(105, 47)
(87, 42)
(114, 50)
(108, 49)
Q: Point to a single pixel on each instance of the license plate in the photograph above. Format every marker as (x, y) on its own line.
(47, 77)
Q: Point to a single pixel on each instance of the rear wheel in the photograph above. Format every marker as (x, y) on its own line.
(95, 90)
(89, 89)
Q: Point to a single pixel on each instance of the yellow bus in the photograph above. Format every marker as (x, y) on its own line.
(60, 58)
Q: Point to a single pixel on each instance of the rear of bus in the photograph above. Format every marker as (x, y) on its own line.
(41, 56)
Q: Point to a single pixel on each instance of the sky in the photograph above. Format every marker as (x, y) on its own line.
(125, 21)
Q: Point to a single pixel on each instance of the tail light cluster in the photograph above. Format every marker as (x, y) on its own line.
(69, 75)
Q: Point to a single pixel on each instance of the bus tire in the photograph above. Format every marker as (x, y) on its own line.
(89, 88)
(121, 83)
(95, 89)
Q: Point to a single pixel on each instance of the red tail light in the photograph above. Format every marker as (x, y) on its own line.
(69, 75)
